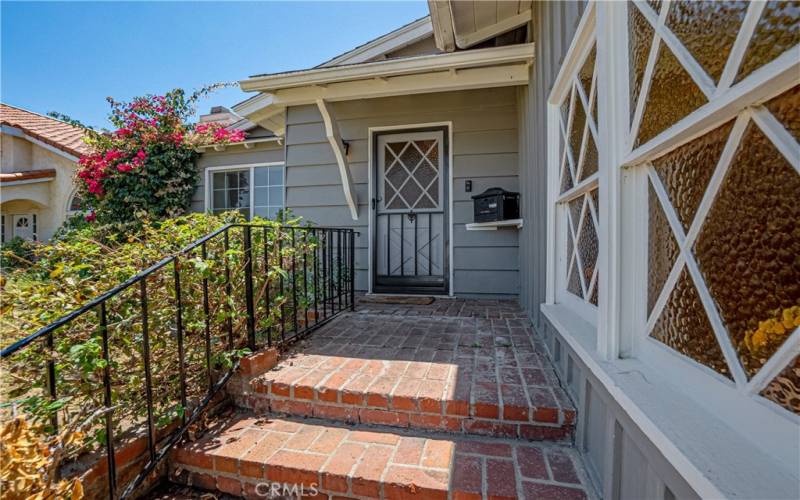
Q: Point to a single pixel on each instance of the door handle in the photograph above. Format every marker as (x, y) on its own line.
(375, 203)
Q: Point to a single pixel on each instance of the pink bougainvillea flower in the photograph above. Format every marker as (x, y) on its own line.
(141, 155)
(91, 216)
(124, 167)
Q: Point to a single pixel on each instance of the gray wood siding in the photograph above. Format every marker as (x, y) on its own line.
(485, 145)
(552, 29)
(236, 155)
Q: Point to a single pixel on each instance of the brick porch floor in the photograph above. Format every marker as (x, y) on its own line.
(469, 366)
(455, 399)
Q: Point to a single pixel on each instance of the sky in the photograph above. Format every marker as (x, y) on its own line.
(69, 56)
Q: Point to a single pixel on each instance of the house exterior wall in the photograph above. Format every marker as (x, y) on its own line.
(622, 462)
(484, 150)
(48, 200)
(270, 152)
(652, 422)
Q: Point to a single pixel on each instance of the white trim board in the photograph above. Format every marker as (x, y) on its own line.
(370, 181)
(390, 42)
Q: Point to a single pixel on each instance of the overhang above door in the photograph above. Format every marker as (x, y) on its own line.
(464, 23)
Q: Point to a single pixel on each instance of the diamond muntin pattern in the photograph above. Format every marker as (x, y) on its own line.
(748, 248)
(411, 179)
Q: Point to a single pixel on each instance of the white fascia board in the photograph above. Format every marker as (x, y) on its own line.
(469, 39)
(248, 144)
(389, 42)
(442, 24)
(6, 184)
(438, 81)
(6, 129)
(335, 140)
(384, 69)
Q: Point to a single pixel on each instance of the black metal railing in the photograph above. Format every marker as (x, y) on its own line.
(166, 340)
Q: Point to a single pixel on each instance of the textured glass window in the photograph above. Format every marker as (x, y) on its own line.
(576, 129)
(672, 96)
(588, 246)
(777, 31)
(684, 326)
(708, 30)
(784, 389)
(662, 250)
(411, 178)
(686, 171)
(786, 108)
(749, 246)
(640, 38)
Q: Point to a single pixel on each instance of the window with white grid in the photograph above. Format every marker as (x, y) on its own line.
(715, 124)
(576, 203)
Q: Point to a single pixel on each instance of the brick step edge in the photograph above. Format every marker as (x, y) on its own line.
(544, 430)
(346, 462)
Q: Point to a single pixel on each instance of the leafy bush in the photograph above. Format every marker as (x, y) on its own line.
(16, 253)
(85, 262)
(147, 163)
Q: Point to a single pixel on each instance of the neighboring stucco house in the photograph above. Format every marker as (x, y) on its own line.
(655, 147)
(38, 157)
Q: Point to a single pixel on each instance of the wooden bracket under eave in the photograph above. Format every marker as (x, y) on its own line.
(335, 140)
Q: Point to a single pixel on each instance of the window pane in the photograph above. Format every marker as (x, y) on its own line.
(218, 180)
(276, 196)
(219, 199)
(662, 251)
(684, 326)
(261, 176)
(260, 197)
(261, 211)
(276, 176)
(776, 32)
(244, 178)
(748, 248)
(232, 179)
(785, 387)
(707, 30)
(273, 212)
(640, 39)
(672, 96)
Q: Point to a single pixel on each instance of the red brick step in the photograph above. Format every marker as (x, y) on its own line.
(243, 451)
(522, 399)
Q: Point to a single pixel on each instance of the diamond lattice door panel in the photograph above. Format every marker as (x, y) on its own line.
(411, 212)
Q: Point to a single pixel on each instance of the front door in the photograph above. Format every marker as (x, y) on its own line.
(410, 205)
(23, 226)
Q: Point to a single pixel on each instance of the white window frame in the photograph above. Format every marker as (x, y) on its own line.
(209, 192)
(558, 203)
(622, 328)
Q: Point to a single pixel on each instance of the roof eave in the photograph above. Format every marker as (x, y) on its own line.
(394, 67)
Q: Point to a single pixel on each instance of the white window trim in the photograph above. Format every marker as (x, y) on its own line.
(622, 262)
(208, 191)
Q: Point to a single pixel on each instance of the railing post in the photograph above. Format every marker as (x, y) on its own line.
(352, 270)
(248, 288)
(51, 377)
(281, 283)
(228, 291)
(176, 273)
(339, 267)
(305, 277)
(148, 381)
(324, 254)
(266, 285)
(316, 272)
(294, 281)
(207, 320)
(107, 402)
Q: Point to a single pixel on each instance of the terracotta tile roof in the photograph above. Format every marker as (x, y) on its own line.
(24, 175)
(54, 132)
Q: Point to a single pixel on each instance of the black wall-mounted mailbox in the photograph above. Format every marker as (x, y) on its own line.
(495, 204)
